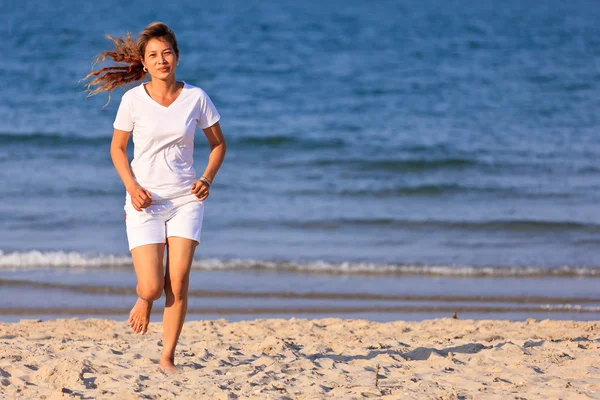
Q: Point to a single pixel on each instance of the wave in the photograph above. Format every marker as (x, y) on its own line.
(389, 165)
(61, 259)
(436, 189)
(415, 158)
(516, 225)
(287, 141)
(43, 139)
(73, 259)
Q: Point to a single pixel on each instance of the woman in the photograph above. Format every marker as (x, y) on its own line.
(164, 204)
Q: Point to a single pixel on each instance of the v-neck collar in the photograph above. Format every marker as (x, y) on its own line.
(156, 102)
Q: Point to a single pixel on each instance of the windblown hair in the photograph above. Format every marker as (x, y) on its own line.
(129, 52)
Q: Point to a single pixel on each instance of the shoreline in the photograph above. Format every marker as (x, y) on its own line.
(56, 293)
(303, 359)
(295, 310)
(313, 295)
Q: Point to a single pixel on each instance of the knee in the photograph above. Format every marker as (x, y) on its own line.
(176, 294)
(150, 292)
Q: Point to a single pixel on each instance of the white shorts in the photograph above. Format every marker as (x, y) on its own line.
(180, 217)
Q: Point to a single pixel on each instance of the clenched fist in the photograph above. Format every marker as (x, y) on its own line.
(140, 197)
(200, 189)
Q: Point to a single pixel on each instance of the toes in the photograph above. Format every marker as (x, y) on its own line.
(138, 327)
(138, 323)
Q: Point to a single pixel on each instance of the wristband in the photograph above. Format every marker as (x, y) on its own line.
(205, 180)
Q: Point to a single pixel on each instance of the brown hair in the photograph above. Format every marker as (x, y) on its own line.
(109, 78)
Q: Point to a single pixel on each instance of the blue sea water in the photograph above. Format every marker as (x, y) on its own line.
(455, 138)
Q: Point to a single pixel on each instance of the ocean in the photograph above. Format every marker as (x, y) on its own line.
(389, 160)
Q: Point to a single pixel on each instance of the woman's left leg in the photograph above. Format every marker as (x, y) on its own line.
(180, 254)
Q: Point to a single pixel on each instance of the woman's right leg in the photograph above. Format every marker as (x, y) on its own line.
(149, 269)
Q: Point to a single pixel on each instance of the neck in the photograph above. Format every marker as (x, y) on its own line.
(163, 87)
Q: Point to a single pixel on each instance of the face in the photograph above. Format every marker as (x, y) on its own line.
(159, 58)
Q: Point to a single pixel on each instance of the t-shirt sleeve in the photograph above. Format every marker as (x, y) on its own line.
(208, 112)
(124, 120)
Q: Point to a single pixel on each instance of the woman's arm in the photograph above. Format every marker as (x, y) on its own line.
(218, 148)
(140, 197)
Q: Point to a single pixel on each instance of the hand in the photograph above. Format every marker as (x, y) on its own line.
(140, 197)
(200, 189)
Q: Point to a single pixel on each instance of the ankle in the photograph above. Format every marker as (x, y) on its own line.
(149, 302)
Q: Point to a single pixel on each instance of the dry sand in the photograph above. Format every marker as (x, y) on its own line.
(304, 359)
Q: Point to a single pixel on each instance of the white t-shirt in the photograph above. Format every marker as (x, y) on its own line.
(163, 138)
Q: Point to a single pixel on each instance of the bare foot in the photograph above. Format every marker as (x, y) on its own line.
(167, 366)
(139, 317)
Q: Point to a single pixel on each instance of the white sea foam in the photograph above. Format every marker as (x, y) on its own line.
(61, 259)
(571, 307)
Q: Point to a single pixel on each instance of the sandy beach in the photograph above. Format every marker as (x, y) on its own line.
(304, 359)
